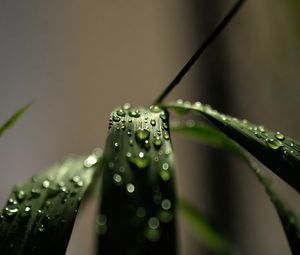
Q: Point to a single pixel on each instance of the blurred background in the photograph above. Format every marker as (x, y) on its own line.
(78, 60)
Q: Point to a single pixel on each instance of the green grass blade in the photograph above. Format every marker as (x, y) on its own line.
(288, 219)
(204, 231)
(278, 152)
(9, 123)
(138, 196)
(206, 134)
(39, 215)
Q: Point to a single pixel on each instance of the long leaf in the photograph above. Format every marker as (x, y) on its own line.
(278, 152)
(138, 197)
(287, 217)
(11, 121)
(206, 233)
(39, 215)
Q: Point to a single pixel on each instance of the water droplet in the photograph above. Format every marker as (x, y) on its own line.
(79, 184)
(153, 223)
(12, 201)
(130, 187)
(165, 166)
(147, 144)
(141, 135)
(129, 133)
(21, 195)
(198, 106)
(279, 136)
(165, 175)
(90, 160)
(126, 106)
(10, 211)
(165, 125)
(116, 145)
(26, 212)
(131, 142)
(179, 101)
(273, 144)
(121, 112)
(116, 118)
(41, 228)
(163, 116)
(46, 184)
(155, 109)
(153, 122)
(134, 113)
(140, 162)
(165, 216)
(52, 192)
(75, 179)
(166, 136)
(141, 212)
(153, 235)
(166, 204)
(117, 178)
(157, 142)
(101, 223)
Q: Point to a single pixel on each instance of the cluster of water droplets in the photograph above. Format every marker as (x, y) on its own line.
(38, 197)
(275, 141)
(138, 159)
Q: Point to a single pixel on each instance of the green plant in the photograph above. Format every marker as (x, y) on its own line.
(137, 167)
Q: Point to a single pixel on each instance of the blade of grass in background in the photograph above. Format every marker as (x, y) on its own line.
(137, 214)
(9, 123)
(39, 215)
(204, 133)
(278, 152)
(204, 231)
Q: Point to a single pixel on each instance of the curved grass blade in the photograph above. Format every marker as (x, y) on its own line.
(206, 233)
(287, 217)
(206, 134)
(39, 215)
(138, 197)
(9, 123)
(278, 152)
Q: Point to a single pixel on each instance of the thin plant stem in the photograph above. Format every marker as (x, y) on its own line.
(219, 28)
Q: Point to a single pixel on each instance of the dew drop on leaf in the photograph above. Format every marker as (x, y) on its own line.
(21, 195)
(90, 160)
(153, 223)
(155, 109)
(26, 212)
(46, 184)
(279, 136)
(117, 178)
(166, 204)
(41, 228)
(157, 142)
(121, 112)
(141, 135)
(130, 187)
(273, 144)
(153, 122)
(10, 212)
(141, 212)
(134, 114)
